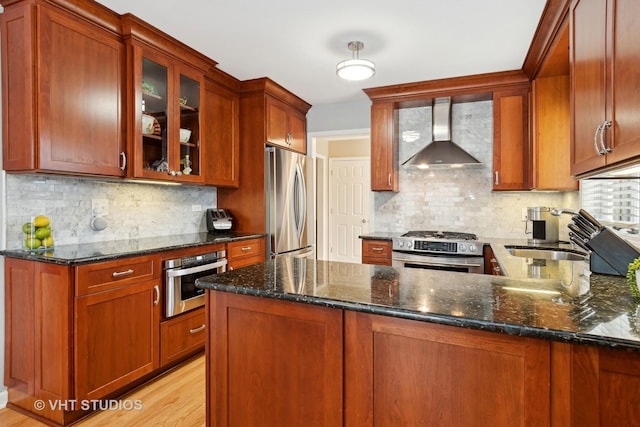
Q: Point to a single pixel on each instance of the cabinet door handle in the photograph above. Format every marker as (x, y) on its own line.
(606, 124)
(123, 156)
(245, 249)
(497, 178)
(377, 249)
(389, 180)
(122, 273)
(198, 329)
(595, 140)
(156, 291)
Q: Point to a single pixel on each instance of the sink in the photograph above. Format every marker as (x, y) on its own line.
(557, 254)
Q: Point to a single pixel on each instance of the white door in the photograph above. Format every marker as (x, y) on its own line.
(349, 207)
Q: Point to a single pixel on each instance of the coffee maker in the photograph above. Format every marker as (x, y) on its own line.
(545, 225)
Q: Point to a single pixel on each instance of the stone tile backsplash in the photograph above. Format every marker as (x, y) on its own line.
(457, 199)
(135, 210)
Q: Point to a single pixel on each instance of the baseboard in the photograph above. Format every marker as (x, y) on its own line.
(4, 398)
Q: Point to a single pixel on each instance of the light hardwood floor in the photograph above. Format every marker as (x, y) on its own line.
(176, 399)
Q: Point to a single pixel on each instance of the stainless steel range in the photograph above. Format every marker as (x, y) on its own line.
(439, 250)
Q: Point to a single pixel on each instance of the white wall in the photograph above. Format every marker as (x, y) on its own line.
(338, 117)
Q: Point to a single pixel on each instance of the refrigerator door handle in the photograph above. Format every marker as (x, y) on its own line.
(299, 201)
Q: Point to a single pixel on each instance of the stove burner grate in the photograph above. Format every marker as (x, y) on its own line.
(448, 235)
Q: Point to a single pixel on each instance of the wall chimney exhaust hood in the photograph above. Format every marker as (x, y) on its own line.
(441, 153)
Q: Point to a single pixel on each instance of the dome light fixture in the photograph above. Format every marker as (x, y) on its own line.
(355, 68)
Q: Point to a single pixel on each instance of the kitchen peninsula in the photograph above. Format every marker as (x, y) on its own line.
(327, 343)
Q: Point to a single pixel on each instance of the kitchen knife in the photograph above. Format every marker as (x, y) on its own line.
(578, 241)
(584, 225)
(587, 216)
(579, 232)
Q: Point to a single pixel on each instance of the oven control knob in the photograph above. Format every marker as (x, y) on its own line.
(401, 243)
(409, 244)
(463, 247)
(473, 248)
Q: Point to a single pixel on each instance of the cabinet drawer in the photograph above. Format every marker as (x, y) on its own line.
(106, 275)
(182, 336)
(245, 249)
(376, 252)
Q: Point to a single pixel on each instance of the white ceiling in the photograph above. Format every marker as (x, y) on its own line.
(298, 43)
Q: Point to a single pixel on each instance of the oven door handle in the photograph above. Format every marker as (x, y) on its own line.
(197, 269)
(445, 264)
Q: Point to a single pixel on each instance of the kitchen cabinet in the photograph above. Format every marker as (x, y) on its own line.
(509, 375)
(247, 202)
(376, 251)
(221, 131)
(511, 148)
(182, 336)
(63, 90)
(286, 127)
(491, 264)
(292, 364)
(605, 70)
(81, 332)
(116, 339)
(245, 252)
(384, 147)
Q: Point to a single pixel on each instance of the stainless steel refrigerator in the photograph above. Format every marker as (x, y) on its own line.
(290, 215)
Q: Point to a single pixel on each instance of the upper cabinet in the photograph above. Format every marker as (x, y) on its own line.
(63, 90)
(167, 95)
(605, 70)
(384, 147)
(286, 126)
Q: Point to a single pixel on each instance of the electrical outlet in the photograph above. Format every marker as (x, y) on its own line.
(100, 206)
(525, 214)
(196, 208)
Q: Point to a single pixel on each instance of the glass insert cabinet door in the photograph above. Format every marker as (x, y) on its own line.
(170, 110)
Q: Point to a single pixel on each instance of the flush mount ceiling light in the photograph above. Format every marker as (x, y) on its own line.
(355, 68)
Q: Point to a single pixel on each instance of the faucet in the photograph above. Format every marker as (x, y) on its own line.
(558, 212)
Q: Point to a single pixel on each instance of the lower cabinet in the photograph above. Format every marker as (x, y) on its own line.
(182, 336)
(245, 252)
(273, 363)
(376, 251)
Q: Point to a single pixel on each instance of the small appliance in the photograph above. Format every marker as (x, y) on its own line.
(218, 220)
(545, 225)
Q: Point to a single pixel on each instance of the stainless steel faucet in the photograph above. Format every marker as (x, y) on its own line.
(560, 211)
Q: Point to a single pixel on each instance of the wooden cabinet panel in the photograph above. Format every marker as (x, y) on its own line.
(221, 161)
(376, 251)
(279, 355)
(285, 126)
(245, 252)
(511, 148)
(63, 85)
(448, 376)
(116, 338)
(605, 69)
(182, 336)
(107, 275)
(384, 147)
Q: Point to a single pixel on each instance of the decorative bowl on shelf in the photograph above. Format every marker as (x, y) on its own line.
(183, 101)
(150, 125)
(185, 135)
(148, 88)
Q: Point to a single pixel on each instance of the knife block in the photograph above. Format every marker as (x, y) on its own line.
(612, 253)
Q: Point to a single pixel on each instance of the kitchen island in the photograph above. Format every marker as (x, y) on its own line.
(326, 343)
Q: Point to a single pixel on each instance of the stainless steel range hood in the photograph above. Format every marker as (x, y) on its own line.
(441, 152)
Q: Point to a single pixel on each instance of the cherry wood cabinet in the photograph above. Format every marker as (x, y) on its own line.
(273, 362)
(376, 251)
(221, 131)
(511, 147)
(448, 375)
(63, 90)
(605, 70)
(254, 96)
(83, 332)
(491, 265)
(286, 127)
(245, 252)
(384, 147)
(182, 336)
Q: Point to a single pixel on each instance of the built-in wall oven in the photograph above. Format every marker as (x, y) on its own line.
(438, 250)
(180, 280)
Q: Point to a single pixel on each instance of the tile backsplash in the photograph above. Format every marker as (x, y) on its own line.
(457, 199)
(135, 210)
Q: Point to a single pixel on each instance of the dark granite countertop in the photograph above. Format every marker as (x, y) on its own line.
(379, 235)
(600, 311)
(102, 251)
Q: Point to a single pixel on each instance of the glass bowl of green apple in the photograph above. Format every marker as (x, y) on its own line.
(37, 234)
